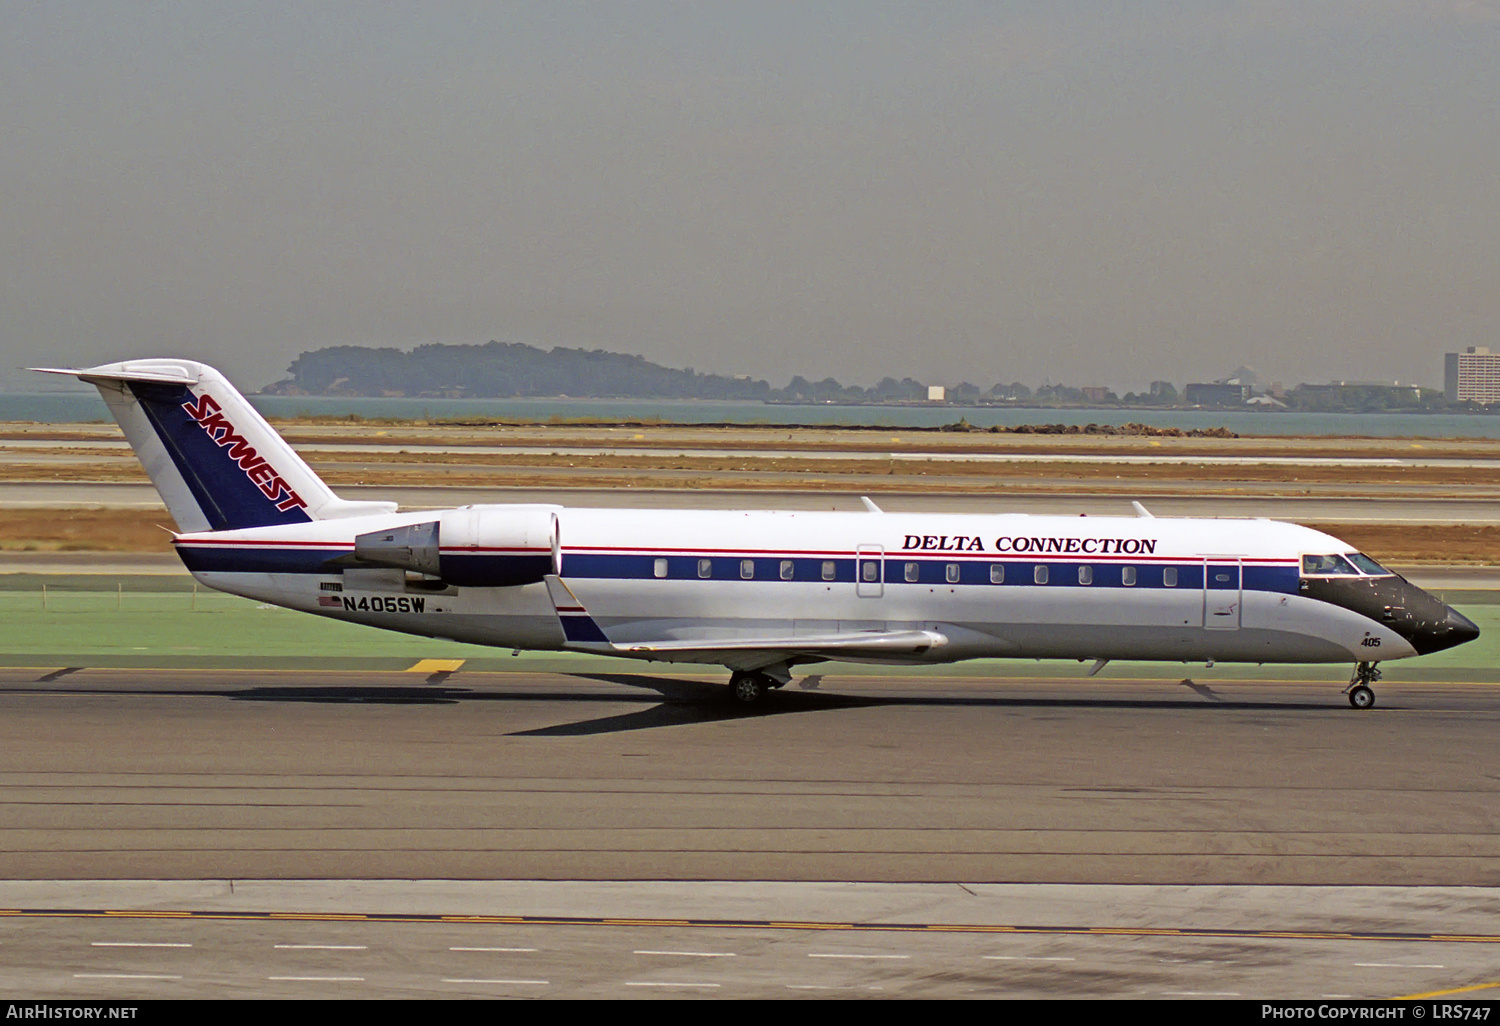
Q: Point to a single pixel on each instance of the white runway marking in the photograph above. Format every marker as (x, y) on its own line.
(691, 954)
(506, 983)
(136, 944)
(648, 984)
(833, 955)
(1399, 965)
(122, 976)
(321, 947)
(492, 949)
(318, 979)
(1026, 958)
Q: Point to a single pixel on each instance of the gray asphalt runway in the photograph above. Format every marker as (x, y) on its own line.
(630, 835)
(434, 938)
(1311, 509)
(112, 774)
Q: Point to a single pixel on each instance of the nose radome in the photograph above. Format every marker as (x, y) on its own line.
(1461, 627)
(1454, 629)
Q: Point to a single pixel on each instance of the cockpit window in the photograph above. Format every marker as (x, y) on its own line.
(1367, 564)
(1330, 564)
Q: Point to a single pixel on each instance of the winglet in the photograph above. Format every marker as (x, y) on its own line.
(1141, 511)
(870, 504)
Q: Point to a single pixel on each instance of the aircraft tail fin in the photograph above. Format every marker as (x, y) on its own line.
(216, 462)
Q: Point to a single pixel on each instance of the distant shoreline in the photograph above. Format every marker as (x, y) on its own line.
(852, 404)
(78, 407)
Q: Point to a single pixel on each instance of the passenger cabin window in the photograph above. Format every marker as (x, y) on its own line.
(913, 573)
(1127, 576)
(1085, 575)
(830, 568)
(997, 573)
(1169, 577)
(1331, 565)
(705, 568)
(951, 573)
(659, 568)
(869, 570)
(1039, 575)
(788, 568)
(747, 568)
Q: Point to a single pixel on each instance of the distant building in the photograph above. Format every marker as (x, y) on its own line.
(1472, 376)
(1095, 393)
(1216, 394)
(936, 393)
(1357, 395)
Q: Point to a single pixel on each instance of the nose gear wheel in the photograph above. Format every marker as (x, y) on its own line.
(1361, 695)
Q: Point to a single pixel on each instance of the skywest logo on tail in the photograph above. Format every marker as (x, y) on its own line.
(208, 415)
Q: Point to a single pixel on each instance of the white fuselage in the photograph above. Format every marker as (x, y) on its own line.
(1006, 586)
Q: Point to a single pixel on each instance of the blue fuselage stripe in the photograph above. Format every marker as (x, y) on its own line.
(499, 571)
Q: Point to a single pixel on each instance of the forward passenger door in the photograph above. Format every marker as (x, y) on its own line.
(1223, 592)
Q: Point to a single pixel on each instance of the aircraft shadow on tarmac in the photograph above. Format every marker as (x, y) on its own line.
(688, 701)
(673, 701)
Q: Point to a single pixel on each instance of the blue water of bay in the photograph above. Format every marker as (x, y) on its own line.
(79, 407)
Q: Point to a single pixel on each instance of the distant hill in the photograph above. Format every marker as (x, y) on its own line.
(499, 369)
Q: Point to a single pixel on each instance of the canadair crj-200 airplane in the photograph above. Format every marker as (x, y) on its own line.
(756, 592)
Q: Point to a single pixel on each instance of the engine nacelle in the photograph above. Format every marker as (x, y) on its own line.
(475, 546)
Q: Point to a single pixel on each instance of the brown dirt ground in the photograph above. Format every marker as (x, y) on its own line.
(750, 438)
(617, 471)
(85, 530)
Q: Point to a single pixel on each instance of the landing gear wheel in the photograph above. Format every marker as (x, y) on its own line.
(1360, 695)
(747, 688)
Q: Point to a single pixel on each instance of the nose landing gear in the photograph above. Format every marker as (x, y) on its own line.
(1361, 696)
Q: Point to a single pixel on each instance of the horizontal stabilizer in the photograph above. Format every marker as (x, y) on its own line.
(160, 372)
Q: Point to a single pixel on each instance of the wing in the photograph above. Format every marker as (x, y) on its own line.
(736, 650)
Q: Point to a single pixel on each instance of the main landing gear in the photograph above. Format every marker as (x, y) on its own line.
(748, 687)
(1360, 694)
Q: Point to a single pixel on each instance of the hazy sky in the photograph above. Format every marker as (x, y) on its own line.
(1091, 193)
